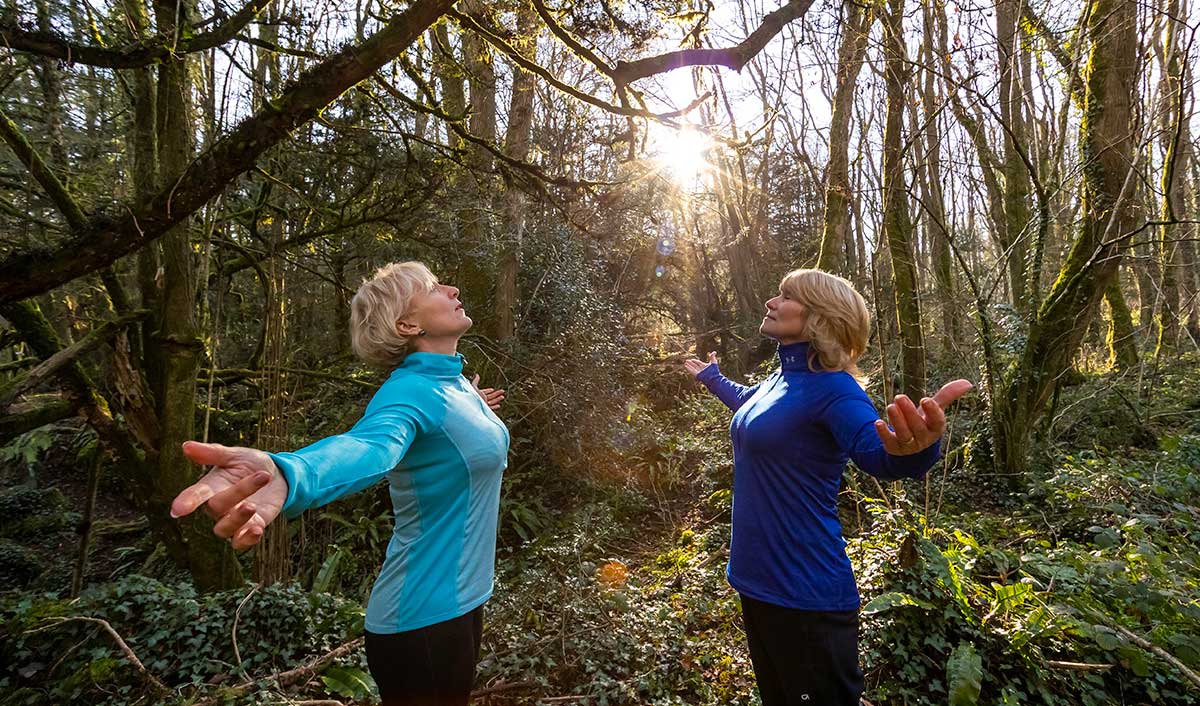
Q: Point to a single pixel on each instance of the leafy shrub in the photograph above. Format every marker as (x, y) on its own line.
(186, 640)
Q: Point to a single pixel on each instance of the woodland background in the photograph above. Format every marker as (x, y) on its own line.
(191, 192)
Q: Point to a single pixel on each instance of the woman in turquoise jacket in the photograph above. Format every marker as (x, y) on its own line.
(435, 439)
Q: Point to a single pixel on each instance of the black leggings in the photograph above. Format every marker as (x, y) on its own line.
(803, 657)
(430, 666)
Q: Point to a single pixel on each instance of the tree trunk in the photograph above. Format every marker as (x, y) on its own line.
(175, 346)
(1108, 146)
(1120, 339)
(1016, 175)
(897, 222)
(1177, 148)
(517, 139)
(836, 236)
(479, 185)
(936, 218)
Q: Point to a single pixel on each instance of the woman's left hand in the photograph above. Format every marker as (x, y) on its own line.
(915, 429)
(491, 396)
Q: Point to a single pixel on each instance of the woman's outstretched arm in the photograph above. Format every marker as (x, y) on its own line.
(909, 447)
(246, 489)
(731, 393)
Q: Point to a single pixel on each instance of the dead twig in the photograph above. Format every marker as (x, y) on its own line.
(116, 638)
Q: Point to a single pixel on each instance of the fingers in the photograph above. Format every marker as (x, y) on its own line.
(935, 417)
(475, 381)
(193, 497)
(233, 521)
(904, 435)
(952, 391)
(712, 357)
(250, 534)
(492, 398)
(221, 503)
(887, 436)
(912, 418)
(208, 454)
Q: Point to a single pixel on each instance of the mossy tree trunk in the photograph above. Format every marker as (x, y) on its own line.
(897, 221)
(1177, 148)
(838, 194)
(174, 347)
(1108, 147)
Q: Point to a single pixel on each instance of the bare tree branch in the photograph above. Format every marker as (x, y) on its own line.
(142, 53)
(41, 171)
(105, 239)
(55, 363)
(734, 57)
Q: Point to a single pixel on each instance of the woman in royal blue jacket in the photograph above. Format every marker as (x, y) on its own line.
(792, 436)
(433, 436)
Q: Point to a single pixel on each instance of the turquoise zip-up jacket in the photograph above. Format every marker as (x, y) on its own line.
(443, 453)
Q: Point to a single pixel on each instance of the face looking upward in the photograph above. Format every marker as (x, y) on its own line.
(785, 321)
(439, 314)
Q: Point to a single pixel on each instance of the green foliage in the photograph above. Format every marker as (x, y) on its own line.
(19, 565)
(184, 639)
(24, 451)
(28, 512)
(1024, 592)
(349, 682)
(964, 671)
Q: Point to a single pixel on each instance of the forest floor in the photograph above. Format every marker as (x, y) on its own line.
(1078, 585)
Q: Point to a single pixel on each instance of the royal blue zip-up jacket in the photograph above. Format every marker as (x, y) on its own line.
(792, 435)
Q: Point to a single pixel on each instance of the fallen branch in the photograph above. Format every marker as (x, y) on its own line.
(503, 686)
(292, 676)
(59, 360)
(1078, 666)
(121, 645)
(1158, 651)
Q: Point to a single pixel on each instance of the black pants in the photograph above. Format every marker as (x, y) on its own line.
(803, 657)
(430, 666)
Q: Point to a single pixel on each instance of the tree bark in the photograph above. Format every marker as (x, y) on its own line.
(897, 222)
(1015, 236)
(175, 347)
(1177, 148)
(1108, 145)
(938, 225)
(517, 139)
(836, 234)
(1120, 339)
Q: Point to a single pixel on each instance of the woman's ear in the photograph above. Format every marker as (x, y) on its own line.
(407, 328)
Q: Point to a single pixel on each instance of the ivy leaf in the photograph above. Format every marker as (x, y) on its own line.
(349, 682)
(895, 599)
(964, 671)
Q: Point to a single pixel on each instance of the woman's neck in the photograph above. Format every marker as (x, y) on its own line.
(442, 345)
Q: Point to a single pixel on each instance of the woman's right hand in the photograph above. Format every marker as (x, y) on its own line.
(243, 491)
(694, 365)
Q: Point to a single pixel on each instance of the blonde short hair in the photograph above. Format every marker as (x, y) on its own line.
(838, 323)
(379, 303)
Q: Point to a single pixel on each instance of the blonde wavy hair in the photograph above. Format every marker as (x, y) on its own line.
(838, 323)
(379, 303)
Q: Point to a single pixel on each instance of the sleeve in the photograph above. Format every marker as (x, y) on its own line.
(726, 390)
(851, 419)
(346, 463)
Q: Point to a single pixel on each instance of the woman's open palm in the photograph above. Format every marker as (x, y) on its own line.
(243, 491)
(695, 365)
(915, 428)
